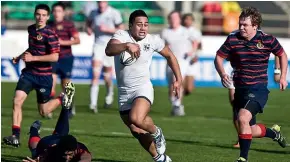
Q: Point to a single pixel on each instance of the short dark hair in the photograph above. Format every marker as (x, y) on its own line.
(60, 4)
(254, 14)
(43, 7)
(172, 12)
(67, 143)
(136, 13)
(187, 15)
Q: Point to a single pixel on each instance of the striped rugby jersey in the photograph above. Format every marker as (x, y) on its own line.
(65, 31)
(41, 42)
(250, 58)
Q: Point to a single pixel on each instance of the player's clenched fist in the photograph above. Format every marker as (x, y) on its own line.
(226, 81)
(133, 49)
(15, 60)
(176, 88)
(283, 84)
(27, 57)
(28, 159)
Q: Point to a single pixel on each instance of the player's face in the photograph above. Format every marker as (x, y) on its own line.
(68, 155)
(41, 17)
(188, 21)
(174, 20)
(58, 13)
(246, 28)
(139, 28)
(102, 5)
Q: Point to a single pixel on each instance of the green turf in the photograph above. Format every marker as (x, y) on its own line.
(205, 134)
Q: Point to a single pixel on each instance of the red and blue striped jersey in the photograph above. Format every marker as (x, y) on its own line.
(65, 31)
(41, 42)
(249, 59)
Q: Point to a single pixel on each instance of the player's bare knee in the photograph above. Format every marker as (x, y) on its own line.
(17, 102)
(136, 119)
(42, 112)
(243, 120)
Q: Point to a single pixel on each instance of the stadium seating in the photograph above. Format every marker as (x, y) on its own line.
(25, 9)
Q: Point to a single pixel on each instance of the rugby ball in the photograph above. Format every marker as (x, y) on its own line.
(126, 59)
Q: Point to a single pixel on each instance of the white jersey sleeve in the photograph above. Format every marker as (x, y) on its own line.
(195, 34)
(158, 43)
(120, 35)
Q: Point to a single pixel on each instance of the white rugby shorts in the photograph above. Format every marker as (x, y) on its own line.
(127, 97)
(191, 70)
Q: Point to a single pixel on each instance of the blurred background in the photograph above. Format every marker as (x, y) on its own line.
(213, 18)
(204, 134)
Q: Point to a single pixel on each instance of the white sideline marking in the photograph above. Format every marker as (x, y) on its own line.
(82, 131)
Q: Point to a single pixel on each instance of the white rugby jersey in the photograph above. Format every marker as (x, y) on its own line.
(179, 40)
(109, 18)
(137, 74)
(196, 33)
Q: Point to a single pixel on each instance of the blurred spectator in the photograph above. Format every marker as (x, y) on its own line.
(68, 10)
(231, 12)
(88, 7)
(4, 12)
(188, 23)
(212, 18)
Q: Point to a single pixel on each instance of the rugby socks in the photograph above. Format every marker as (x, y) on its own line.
(16, 131)
(33, 140)
(111, 90)
(62, 125)
(156, 134)
(94, 94)
(245, 143)
(33, 132)
(159, 158)
(175, 101)
(267, 132)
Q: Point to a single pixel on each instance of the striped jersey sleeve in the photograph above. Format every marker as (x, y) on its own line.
(276, 47)
(225, 49)
(52, 42)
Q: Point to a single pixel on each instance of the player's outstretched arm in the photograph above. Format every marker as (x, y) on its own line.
(76, 40)
(28, 57)
(86, 157)
(218, 62)
(283, 60)
(172, 62)
(277, 71)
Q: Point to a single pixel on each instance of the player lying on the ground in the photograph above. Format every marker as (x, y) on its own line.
(60, 146)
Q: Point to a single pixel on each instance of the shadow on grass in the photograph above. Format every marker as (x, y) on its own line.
(106, 160)
(196, 142)
(11, 158)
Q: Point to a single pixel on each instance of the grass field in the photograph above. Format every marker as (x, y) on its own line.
(205, 134)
